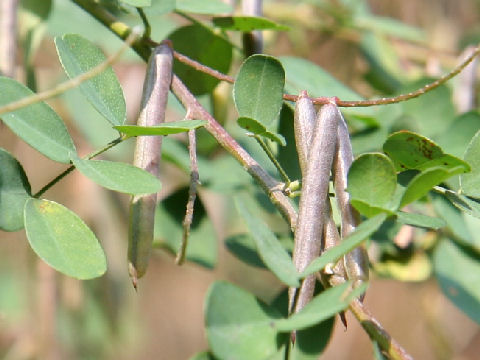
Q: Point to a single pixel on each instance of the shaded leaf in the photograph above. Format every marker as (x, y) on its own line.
(458, 275)
(61, 239)
(14, 192)
(78, 55)
(169, 215)
(202, 45)
(361, 233)
(258, 88)
(272, 253)
(372, 180)
(243, 247)
(173, 127)
(420, 220)
(38, 125)
(239, 325)
(118, 176)
(246, 23)
(470, 183)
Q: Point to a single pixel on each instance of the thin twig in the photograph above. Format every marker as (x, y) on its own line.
(192, 195)
(70, 84)
(272, 158)
(72, 167)
(203, 68)
(377, 332)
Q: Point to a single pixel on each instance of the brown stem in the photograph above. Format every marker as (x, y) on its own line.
(377, 333)
(272, 187)
(192, 195)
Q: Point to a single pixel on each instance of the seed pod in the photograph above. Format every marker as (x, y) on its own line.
(147, 157)
(304, 124)
(313, 207)
(356, 262)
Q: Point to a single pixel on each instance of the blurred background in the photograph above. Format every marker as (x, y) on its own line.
(45, 315)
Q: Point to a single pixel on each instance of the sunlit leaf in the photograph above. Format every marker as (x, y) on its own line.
(167, 128)
(246, 23)
(61, 239)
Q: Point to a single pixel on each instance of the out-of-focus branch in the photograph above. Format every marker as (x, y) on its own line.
(252, 40)
(377, 333)
(464, 90)
(8, 37)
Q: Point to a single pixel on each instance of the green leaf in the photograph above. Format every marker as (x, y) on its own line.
(238, 324)
(243, 247)
(14, 192)
(458, 276)
(470, 183)
(273, 254)
(389, 26)
(420, 220)
(38, 125)
(422, 183)
(320, 308)
(204, 355)
(257, 128)
(258, 89)
(169, 215)
(362, 232)
(78, 55)
(203, 7)
(118, 176)
(137, 3)
(457, 137)
(410, 151)
(470, 206)
(61, 239)
(167, 128)
(372, 180)
(200, 44)
(246, 23)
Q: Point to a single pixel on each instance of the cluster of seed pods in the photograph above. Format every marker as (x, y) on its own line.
(324, 149)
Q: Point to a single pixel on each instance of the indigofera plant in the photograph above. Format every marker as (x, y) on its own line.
(324, 239)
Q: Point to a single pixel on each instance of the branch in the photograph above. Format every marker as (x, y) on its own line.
(377, 333)
(272, 187)
(70, 84)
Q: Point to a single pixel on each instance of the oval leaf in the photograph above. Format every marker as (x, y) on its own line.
(38, 125)
(409, 150)
(246, 23)
(167, 128)
(242, 246)
(78, 55)
(258, 89)
(269, 248)
(14, 192)
(362, 232)
(372, 180)
(245, 332)
(470, 183)
(420, 220)
(118, 176)
(201, 44)
(458, 275)
(61, 239)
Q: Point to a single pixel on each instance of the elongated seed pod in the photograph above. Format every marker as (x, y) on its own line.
(313, 208)
(304, 124)
(147, 156)
(356, 262)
